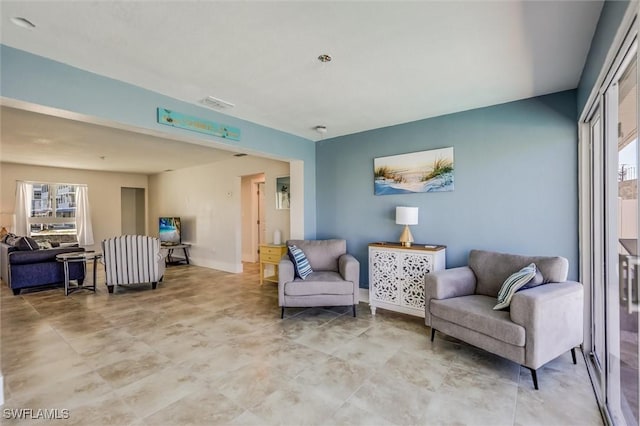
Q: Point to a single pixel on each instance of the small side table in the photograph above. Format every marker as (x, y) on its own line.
(171, 247)
(270, 254)
(67, 258)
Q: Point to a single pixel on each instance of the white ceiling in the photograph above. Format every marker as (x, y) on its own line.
(44, 140)
(393, 62)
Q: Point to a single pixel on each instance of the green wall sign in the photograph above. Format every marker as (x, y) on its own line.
(187, 122)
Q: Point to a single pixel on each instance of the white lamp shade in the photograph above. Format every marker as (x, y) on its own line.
(407, 215)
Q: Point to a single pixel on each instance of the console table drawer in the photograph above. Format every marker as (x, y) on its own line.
(271, 258)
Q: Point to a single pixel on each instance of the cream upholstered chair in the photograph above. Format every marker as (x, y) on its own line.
(543, 322)
(335, 280)
(133, 259)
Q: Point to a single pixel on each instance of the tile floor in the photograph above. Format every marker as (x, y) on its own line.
(209, 348)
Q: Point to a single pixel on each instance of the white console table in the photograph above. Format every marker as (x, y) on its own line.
(396, 275)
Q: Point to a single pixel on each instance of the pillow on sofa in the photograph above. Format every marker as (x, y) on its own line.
(11, 239)
(300, 262)
(27, 244)
(513, 284)
(535, 281)
(45, 244)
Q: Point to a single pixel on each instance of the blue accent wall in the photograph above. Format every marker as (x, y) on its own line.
(34, 79)
(516, 183)
(610, 19)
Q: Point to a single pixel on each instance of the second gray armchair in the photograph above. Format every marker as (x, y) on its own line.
(335, 280)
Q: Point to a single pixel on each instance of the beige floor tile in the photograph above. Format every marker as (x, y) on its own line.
(206, 407)
(157, 391)
(209, 347)
(393, 399)
(350, 415)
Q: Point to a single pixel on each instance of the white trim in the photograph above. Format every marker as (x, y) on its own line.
(1, 390)
(616, 45)
(364, 295)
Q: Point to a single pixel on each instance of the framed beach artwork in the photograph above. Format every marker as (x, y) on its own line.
(424, 171)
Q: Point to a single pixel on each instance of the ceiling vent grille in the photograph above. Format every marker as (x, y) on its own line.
(216, 103)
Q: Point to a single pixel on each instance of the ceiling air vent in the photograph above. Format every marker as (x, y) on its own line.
(216, 103)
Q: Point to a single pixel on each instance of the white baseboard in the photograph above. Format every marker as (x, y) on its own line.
(364, 294)
(234, 268)
(1, 390)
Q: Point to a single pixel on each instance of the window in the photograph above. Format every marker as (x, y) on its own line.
(53, 209)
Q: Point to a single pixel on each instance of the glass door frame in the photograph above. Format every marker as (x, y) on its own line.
(598, 233)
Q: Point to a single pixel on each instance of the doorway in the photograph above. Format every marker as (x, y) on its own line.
(253, 216)
(132, 211)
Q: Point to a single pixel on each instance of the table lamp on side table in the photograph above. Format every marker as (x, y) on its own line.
(406, 216)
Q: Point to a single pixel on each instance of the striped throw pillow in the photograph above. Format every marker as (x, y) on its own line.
(300, 262)
(513, 284)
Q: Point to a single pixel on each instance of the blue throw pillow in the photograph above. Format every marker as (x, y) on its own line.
(513, 284)
(300, 262)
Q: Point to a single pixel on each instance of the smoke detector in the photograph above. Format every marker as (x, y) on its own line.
(321, 129)
(216, 103)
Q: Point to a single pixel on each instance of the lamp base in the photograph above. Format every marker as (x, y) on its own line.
(406, 238)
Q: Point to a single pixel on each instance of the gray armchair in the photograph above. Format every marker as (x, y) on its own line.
(542, 322)
(335, 280)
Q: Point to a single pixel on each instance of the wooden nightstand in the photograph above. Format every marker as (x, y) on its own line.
(270, 254)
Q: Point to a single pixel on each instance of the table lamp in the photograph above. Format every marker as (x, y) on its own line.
(406, 216)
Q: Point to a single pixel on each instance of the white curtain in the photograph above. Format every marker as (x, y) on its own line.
(24, 196)
(83, 217)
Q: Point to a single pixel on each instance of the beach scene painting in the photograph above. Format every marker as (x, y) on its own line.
(425, 171)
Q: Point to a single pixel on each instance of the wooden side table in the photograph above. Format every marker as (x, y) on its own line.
(270, 254)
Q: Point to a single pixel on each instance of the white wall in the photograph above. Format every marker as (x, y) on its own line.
(104, 192)
(208, 200)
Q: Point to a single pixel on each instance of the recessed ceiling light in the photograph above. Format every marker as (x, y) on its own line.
(212, 102)
(22, 22)
(321, 129)
(324, 58)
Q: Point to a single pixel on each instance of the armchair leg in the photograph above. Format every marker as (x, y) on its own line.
(110, 288)
(534, 377)
(573, 355)
(154, 285)
(433, 333)
(16, 291)
(354, 311)
(282, 313)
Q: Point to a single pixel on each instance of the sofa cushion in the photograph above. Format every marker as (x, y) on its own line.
(37, 256)
(323, 282)
(492, 269)
(475, 313)
(300, 262)
(514, 283)
(27, 244)
(323, 255)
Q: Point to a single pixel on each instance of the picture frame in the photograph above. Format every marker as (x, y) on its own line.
(283, 193)
(415, 172)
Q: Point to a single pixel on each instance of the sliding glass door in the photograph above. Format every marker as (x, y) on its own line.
(610, 243)
(622, 306)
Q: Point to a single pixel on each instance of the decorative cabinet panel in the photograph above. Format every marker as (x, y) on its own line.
(396, 275)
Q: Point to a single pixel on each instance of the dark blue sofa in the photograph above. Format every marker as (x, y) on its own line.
(23, 269)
